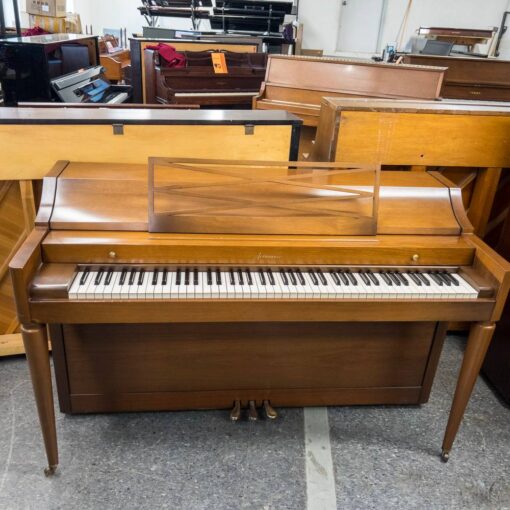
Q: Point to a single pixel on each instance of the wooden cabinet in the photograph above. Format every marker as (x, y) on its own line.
(16, 219)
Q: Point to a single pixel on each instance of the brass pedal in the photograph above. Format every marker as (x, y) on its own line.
(270, 411)
(235, 414)
(253, 415)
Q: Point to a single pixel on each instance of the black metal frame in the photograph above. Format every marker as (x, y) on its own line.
(16, 19)
(502, 30)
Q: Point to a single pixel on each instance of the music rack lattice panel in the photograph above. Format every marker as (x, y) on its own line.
(253, 197)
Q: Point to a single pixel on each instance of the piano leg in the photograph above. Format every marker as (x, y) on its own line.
(35, 340)
(479, 339)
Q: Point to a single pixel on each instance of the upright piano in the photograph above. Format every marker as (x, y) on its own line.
(483, 79)
(216, 284)
(298, 83)
(199, 83)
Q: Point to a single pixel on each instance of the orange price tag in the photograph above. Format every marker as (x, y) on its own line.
(219, 63)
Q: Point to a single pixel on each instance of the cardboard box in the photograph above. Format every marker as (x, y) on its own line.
(71, 24)
(53, 8)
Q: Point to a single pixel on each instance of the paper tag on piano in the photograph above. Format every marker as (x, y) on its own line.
(219, 63)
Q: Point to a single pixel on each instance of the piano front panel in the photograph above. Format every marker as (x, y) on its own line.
(211, 365)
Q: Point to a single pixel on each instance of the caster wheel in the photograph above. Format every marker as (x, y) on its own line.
(50, 471)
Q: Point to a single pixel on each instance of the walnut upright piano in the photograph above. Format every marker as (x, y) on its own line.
(209, 284)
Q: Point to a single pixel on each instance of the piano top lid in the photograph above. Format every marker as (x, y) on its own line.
(450, 106)
(147, 116)
(356, 61)
(114, 197)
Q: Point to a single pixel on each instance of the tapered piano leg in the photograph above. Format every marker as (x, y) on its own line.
(35, 340)
(478, 342)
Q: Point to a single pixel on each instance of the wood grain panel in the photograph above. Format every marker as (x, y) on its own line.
(16, 218)
(139, 142)
(424, 139)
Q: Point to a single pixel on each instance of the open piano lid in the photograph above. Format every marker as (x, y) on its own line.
(208, 197)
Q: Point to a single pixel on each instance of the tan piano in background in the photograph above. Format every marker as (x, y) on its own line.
(117, 63)
(298, 84)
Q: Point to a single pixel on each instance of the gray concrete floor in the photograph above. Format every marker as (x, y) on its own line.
(383, 457)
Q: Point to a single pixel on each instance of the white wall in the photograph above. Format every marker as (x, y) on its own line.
(321, 18)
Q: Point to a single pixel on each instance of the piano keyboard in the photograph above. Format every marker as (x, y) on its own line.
(112, 283)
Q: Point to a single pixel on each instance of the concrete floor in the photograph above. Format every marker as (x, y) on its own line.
(382, 457)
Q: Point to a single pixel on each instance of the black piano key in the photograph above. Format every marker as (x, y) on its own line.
(141, 276)
(284, 277)
(218, 277)
(402, 278)
(351, 277)
(415, 279)
(109, 276)
(300, 276)
(164, 280)
(423, 278)
(342, 277)
(186, 276)
(372, 276)
(248, 277)
(444, 278)
(314, 279)
(386, 279)
(270, 276)
(364, 278)
(155, 275)
(240, 276)
(99, 277)
(195, 277)
(132, 275)
(436, 279)
(178, 277)
(452, 278)
(335, 277)
(84, 276)
(292, 277)
(322, 278)
(209, 277)
(232, 280)
(394, 278)
(123, 275)
(262, 277)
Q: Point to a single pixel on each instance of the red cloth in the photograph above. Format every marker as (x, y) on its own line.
(34, 31)
(170, 55)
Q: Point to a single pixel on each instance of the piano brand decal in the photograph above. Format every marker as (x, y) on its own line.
(261, 256)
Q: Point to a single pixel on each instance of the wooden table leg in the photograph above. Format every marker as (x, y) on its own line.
(35, 340)
(478, 342)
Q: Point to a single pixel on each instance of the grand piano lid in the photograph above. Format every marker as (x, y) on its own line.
(114, 197)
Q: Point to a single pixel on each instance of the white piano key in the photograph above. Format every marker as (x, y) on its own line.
(91, 286)
(73, 290)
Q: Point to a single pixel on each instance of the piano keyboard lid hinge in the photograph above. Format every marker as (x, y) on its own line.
(118, 129)
(249, 129)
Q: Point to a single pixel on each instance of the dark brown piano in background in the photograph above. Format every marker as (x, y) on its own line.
(197, 83)
(497, 363)
(484, 79)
